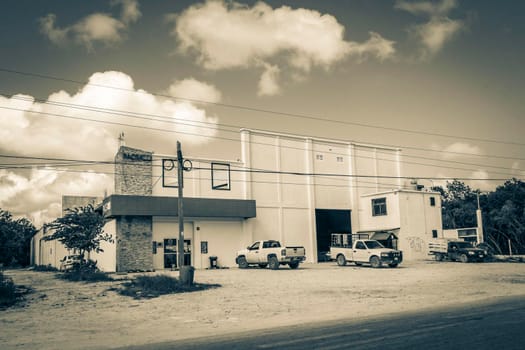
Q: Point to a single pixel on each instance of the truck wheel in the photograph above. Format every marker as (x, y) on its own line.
(273, 263)
(375, 262)
(438, 257)
(392, 265)
(341, 260)
(463, 258)
(294, 265)
(241, 261)
(263, 266)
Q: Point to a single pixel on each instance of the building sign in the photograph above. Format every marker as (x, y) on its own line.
(137, 157)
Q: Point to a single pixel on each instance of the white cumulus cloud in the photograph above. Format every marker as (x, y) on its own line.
(97, 27)
(84, 127)
(227, 35)
(193, 89)
(459, 149)
(439, 29)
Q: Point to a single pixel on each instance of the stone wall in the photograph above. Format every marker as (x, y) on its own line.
(134, 243)
(133, 171)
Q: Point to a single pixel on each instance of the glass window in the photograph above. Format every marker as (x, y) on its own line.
(378, 206)
(434, 233)
(360, 245)
(255, 246)
(432, 201)
(220, 176)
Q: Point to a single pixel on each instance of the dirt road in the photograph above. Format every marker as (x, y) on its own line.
(66, 315)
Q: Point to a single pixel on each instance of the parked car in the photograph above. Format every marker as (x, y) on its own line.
(69, 262)
(270, 253)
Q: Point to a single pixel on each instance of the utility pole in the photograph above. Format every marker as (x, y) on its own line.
(180, 179)
(480, 224)
(185, 272)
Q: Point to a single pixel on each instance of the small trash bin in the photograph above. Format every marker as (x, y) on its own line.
(213, 262)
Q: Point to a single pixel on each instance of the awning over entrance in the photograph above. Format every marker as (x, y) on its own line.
(126, 205)
(382, 235)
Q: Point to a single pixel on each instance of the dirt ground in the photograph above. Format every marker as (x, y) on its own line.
(67, 315)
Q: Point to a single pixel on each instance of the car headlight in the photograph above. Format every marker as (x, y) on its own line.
(471, 253)
(385, 254)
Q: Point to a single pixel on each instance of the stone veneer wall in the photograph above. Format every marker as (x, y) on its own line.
(133, 171)
(134, 240)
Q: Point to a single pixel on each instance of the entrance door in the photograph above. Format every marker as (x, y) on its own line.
(328, 221)
(171, 251)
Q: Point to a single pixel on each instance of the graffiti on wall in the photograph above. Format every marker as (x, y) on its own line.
(416, 243)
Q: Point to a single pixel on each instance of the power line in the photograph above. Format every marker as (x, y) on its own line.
(260, 110)
(223, 138)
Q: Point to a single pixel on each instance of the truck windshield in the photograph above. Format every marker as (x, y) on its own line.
(373, 245)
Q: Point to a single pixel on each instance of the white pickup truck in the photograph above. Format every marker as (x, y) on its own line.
(363, 251)
(270, 253)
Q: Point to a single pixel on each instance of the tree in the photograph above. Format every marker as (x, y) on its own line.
(459, 204)
(81, 229)
(15, 238)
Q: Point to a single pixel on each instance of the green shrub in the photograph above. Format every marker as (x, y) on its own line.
(8, 295)
(154, 286)
(45, 268)
(85, 276)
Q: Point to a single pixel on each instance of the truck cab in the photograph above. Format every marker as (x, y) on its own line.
(270, 253)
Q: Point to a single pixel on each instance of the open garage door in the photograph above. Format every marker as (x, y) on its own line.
(328, 221)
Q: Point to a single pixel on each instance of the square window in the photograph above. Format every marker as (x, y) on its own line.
(379, 206)
(220, 176)
(319, 156)
(340, 159)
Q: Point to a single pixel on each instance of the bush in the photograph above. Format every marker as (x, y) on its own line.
(79, 275)
(45, 268)
(154, 286)
(8, 295)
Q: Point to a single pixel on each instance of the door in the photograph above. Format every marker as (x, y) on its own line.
(253, 254)
(170, 253)
(360, 253)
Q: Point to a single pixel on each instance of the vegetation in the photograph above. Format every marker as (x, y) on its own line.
(45, 268)
(503, 213)
(8, 294)
(154, 286)
(80, 229)
(15, 238)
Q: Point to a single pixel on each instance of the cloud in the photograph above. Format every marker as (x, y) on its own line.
(195, 90)
(229, 35)
(268, 84)
(439, 29)
(97, 27)
(48, 129)
(37, 194)
(459, 149)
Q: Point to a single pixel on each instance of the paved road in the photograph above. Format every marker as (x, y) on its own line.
(498, 325)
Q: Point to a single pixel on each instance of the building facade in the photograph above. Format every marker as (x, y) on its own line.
(298, 190)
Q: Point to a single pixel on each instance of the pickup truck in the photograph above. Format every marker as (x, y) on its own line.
(270, 253)
(363, 251)
(455, 250)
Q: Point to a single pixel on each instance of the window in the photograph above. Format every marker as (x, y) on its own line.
(319, 156)
(378, 206)
(434, 234)
(254, 246)
(220, 176)
(432, 201)
(360, 245)
(339, 159)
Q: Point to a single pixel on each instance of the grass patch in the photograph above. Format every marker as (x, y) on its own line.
(145, 287)
(10, 293)
(85, 276)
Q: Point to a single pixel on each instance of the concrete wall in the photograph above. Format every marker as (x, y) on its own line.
(287, 198)
(107, 260)
(412, 212)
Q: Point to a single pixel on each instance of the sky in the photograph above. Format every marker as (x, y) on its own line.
(442, 80)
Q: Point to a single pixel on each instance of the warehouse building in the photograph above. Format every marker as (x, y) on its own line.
(298, 190)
